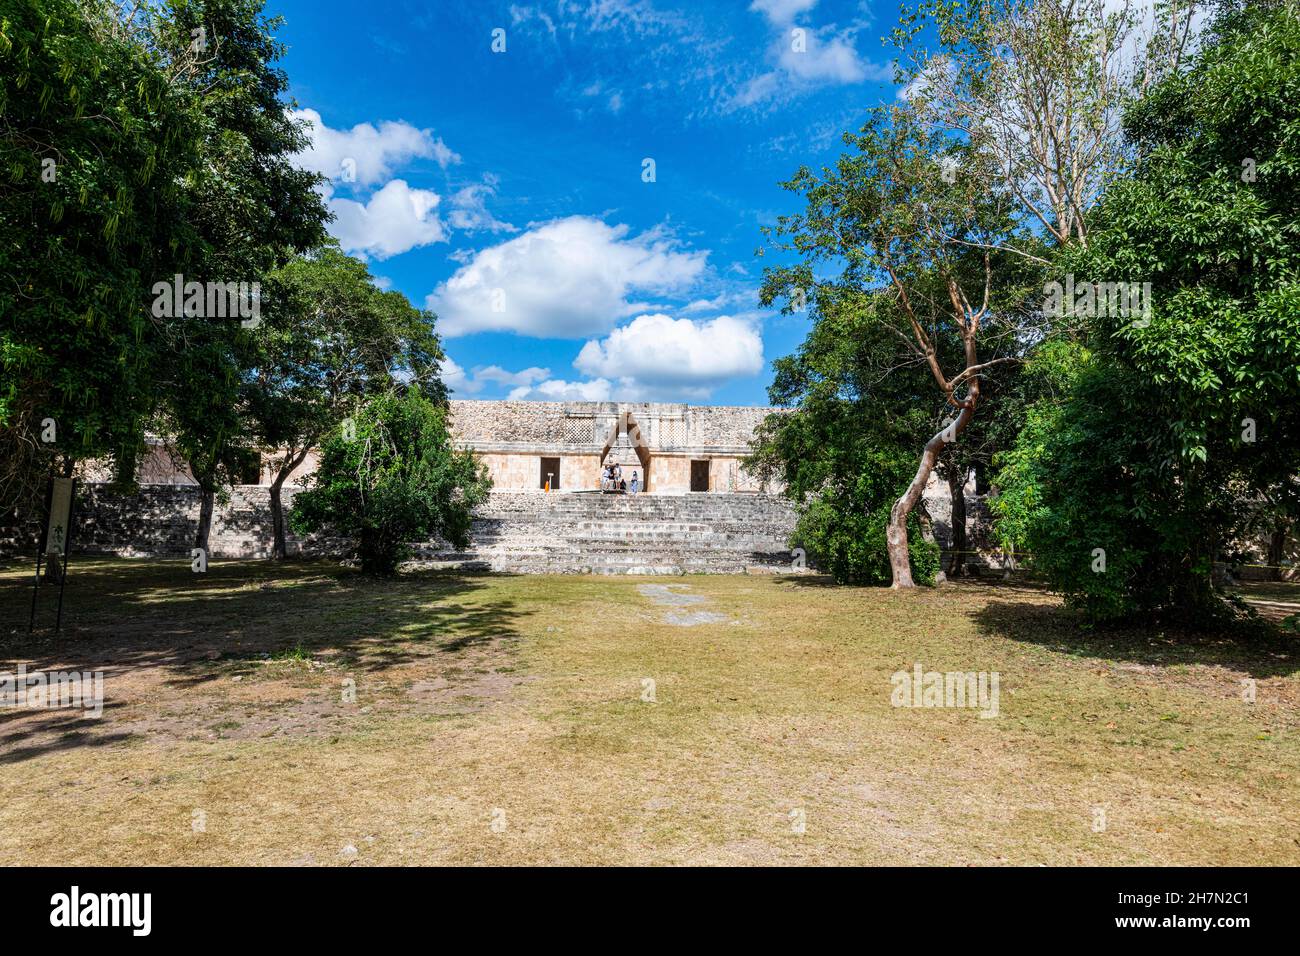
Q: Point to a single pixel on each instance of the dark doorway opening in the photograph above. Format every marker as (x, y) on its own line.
(699, 476)
(550, 476)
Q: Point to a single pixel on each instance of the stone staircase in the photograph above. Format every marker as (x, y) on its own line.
(592, 533)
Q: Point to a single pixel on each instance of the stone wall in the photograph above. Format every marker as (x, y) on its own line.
(161, 520)
(485, 425)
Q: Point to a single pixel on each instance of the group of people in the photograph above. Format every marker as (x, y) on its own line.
(611, 479)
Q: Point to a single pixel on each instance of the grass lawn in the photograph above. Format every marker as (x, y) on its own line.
(501, 719)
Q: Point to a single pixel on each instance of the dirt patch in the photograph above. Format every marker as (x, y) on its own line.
(214, 659)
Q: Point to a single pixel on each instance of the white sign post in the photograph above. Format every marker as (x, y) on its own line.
(55, 536)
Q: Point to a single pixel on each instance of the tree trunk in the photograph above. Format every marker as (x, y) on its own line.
(205, 518)
(1276, 551)
(896, 535)
(378, 552)
(53, 573)
(957, 490)
(279, 551)
(279, 548)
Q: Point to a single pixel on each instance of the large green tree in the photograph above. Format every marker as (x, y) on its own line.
(252, 207)
(97, 151)
(138, 142)
(909, 214)
(330, 339)
(392, 477)
(1179, 423)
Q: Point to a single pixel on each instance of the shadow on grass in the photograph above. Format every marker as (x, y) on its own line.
(1059, 630)
(130, 616)
(50, 731)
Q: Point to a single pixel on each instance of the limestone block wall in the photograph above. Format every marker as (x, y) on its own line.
(511, 438)
(519, 471)
(664, 425)
(724, 426)
(161, 520)
(530, 422)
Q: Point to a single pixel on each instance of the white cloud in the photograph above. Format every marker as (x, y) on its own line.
(804, 58)
(468, 208)
(370, 154)
(825, 59)
(499, 376)
(830, 59)
(558, 390)
(613, 98)
(460, 381)
(395, 219)
(782, 11)
(661, 357)
(454, 377)
(562, 279)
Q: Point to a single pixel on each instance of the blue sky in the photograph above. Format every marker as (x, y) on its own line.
(507, 191)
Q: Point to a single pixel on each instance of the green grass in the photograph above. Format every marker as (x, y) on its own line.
(524, 696)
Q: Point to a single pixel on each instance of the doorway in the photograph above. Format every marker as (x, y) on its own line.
(550, 474)
(699, 475)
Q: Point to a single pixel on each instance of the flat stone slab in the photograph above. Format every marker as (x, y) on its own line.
(673, 596)
(669, 595)
(691, 618)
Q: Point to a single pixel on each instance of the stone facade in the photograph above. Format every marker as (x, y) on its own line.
(161, 519)
(514, 438)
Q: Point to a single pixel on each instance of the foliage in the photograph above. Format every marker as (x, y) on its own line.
(848, 447)
(166, 159)
(1175, 428)
(251, 205)
(1036, 88)
(909, 219)
(396, 478)
(329, 340)
(96, 151)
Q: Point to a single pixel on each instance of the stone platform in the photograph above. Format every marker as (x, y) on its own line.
(592, 533)
(518, 532)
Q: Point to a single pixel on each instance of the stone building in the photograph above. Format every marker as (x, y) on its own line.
(679, 448)
(673, 448)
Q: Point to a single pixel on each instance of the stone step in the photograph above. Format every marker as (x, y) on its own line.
(567, 532)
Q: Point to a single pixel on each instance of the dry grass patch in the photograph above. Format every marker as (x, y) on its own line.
(521, 700)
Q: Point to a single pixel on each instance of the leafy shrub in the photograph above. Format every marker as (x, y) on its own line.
(392, 477)
(848, 541)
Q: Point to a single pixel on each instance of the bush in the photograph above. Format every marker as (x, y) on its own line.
(848, 541)
(392, 477)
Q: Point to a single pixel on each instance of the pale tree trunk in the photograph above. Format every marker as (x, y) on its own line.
(279, 547)
(968, 323)
(957, 491)
(896, 535)
(207, 496)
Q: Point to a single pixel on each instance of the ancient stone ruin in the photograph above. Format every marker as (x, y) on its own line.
(676, 449)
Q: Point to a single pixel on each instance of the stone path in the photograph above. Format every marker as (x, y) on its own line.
(670, 596)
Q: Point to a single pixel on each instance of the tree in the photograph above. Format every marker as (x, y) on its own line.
(330, 340)
(847, 445)
(912, 210)
(1177, 422)
(96, 148)
(396, 478)
(1038, 88)
(135, 149)
(252, 207)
